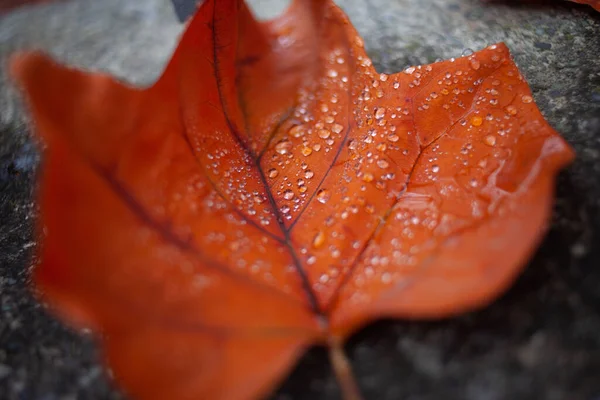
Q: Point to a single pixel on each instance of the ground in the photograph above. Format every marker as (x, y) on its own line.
(540, 340)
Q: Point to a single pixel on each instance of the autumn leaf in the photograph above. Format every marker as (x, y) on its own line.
(272, 191)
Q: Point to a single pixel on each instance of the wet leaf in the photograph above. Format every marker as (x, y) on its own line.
(272, 191)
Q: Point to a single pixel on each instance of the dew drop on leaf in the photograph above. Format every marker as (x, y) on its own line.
(511, 110)
(297, 131)
(526, 99)
(382, 164)
(386, 278)
(324, 133)
(337, 128)
(283, 147)
(323, 196)
(288, 194)
(490, 140)
(306, 151)
(318, 240)
(476, 121)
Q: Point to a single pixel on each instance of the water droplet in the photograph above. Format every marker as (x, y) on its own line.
(297, 131)
(337, 128)
(490, 140)
(393, 138)
(475, 64)
(526, 99)
(383, 164)
(511, 110)
(368, 177)
(332, 73)
(383, 77)
(476, 121)
(318, 240)
(258, 199)
(435, 168)
(386, 278)
(324, 133)
(335, 253)
(273, 173)
(283, 147)
(323, 196)
(288, 194)
(380, 113)
(467, 52)
(396, 85)
(306, 151)
(409, 70)
(308, 174)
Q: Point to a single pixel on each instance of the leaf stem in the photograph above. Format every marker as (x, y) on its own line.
(343, 371)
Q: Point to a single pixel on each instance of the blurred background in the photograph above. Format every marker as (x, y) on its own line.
(541, 340)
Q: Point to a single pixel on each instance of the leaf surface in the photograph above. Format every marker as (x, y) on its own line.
(273, 191)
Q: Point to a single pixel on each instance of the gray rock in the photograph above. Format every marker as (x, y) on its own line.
(540, 340)
(5, 371)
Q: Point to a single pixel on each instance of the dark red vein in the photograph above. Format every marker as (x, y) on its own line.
(239, 212)
(384, 220)
(167, 234)
(244, 145)
(349, 125)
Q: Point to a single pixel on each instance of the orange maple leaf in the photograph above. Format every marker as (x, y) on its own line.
(273, 191)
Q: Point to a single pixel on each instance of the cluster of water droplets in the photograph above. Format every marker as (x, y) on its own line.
(305, 146)
(372, 171)
(454, 183)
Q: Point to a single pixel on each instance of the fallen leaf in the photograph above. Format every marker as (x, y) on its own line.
(272, 191)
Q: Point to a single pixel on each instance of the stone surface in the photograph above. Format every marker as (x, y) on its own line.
(540, 340)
